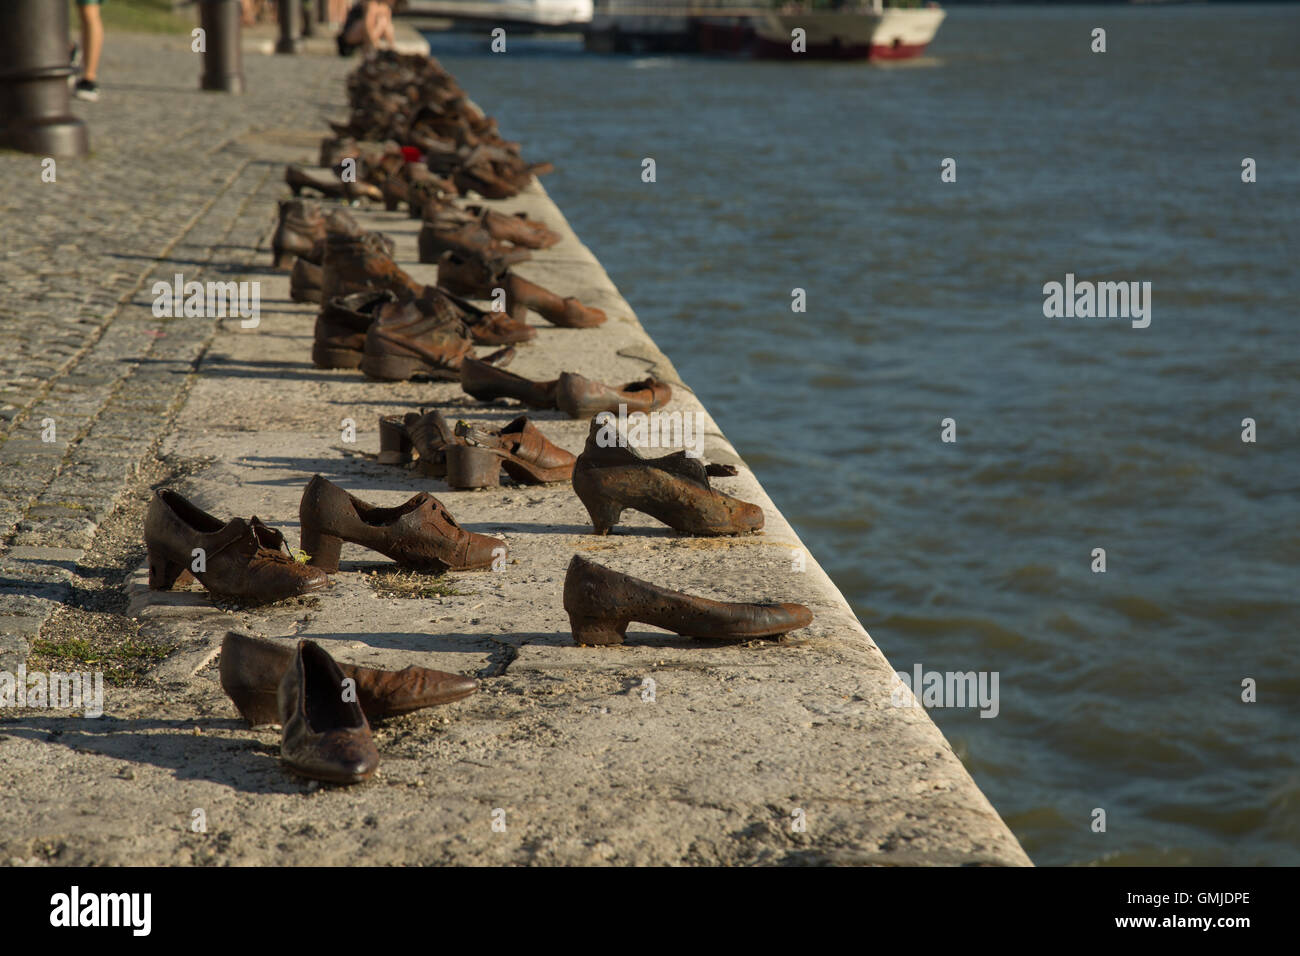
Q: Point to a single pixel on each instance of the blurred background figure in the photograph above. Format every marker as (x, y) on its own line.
(368, 26)
(92, 43)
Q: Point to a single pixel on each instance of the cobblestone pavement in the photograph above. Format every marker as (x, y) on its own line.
(179, 181)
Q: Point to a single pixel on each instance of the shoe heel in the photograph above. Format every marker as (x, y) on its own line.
(323, 549)
(394, 443)
(323, 356)
(471, 467)
(390, 368)
(604, 512)
(596, 631)
(165, 573)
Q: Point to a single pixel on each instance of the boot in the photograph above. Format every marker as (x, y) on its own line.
(601, 603)
(341, 326)
(410, 338)
(352, 265)
(305, 281)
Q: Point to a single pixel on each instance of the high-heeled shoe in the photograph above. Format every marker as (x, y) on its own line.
(328, 184)
(243, 561)
(527, 456)
(674, 489)
(252, 667)
(602, 602)
(325, 734)
(419, 534)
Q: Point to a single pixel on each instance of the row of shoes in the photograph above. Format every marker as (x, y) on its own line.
(414, 138)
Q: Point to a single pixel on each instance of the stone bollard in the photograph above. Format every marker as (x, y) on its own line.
(223, 61)
(34, 71)
(289, 15)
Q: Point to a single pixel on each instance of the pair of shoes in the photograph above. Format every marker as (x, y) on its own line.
(324, 721)
(601, 603)
(480, 274)
(420, 534)
(243, 561)
(252, 667)
(573, 394)
(469, 457)
(87, 90)
(610, 477)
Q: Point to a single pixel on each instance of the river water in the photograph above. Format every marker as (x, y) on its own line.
(1119, 690)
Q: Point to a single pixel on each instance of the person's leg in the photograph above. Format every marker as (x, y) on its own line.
(92, 39)
(385, 23)
(374, 24)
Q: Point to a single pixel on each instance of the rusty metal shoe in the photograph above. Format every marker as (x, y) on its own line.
(341, 326)
(602, 602)
(414, 338)
(567, 313)
(486, 382)
(419, 534)
(518, 228)
(242, 561)
(581, 397)
(252, 667)
(480, 272)
(675, 489)
(486, 326)
(327, 183)
(305, 281)
(300, 227)
(427, 434)
(466, 240)
(527, 455)
(354, 264)
(324, 733)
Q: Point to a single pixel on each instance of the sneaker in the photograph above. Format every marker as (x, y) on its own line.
(87, 90)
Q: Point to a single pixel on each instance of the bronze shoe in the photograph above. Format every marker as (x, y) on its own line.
(252, 668)
(486, 382)
(358, 264)
(486, 326)
(601, 603)
(328, 184)
(518, 228)
(420, 534)
(466, 240)
(305, 281)
(581, 397)
(527, 455)
(415, 338)
(674, 489)
(324, 735)
(480, 272)
(243, 561)
(341, 326)
(300, 227)
(427, 434)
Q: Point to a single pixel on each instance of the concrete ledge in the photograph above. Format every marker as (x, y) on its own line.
(738, 745)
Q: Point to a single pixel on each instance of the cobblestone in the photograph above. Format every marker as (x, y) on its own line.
(178, 181)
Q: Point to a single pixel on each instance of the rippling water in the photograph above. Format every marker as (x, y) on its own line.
(1118, 690)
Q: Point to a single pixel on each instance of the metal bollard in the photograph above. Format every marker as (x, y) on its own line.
(34, 71)
(289, 15)
(223, 60)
